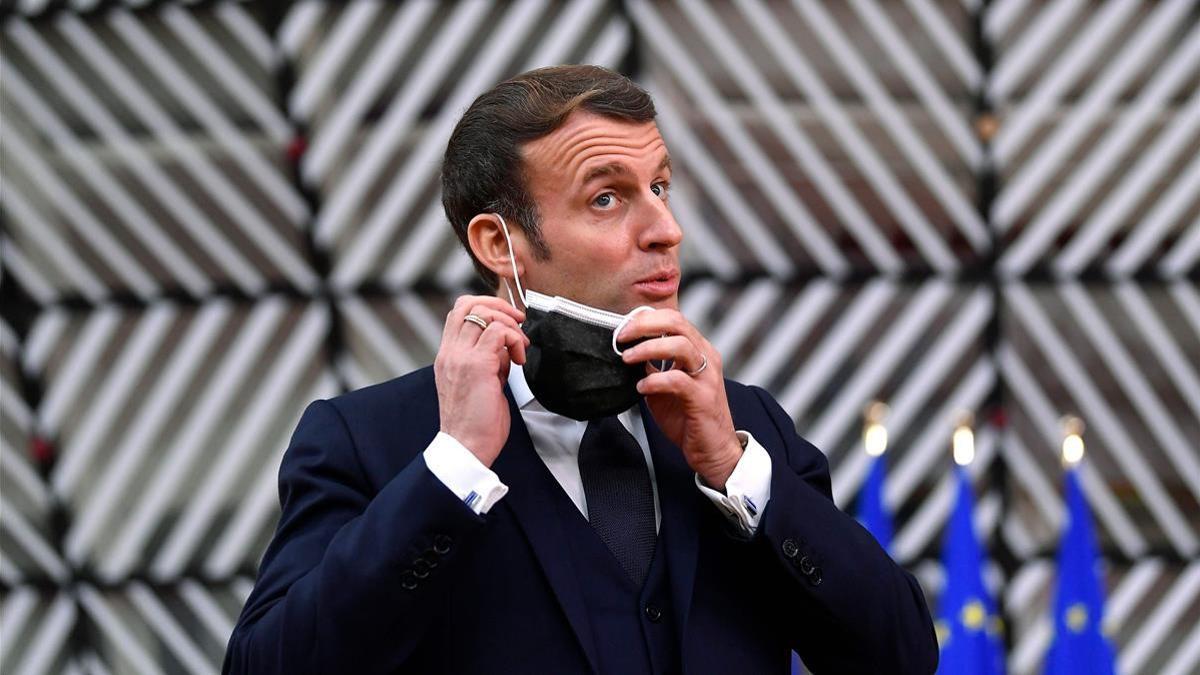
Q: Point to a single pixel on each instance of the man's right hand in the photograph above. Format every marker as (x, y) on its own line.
(471, 368)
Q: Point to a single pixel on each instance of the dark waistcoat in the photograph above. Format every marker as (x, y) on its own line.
(634, 628)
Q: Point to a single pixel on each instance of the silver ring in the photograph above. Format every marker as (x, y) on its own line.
(703, 365)
(477, 320)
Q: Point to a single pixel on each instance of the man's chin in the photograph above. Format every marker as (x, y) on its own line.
(655, 301)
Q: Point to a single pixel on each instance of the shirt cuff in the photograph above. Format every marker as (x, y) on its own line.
(461, 471)
(748, 488)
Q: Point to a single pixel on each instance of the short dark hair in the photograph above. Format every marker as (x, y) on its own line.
(483, 171)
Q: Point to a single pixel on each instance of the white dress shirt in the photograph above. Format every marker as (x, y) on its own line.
(556, 440)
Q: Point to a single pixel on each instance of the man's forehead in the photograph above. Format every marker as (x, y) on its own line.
(587, 142)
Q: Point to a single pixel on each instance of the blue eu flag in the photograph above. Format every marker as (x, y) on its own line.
(968, 626)
(1079, 646)
(872, 512)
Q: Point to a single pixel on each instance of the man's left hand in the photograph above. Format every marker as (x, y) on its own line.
(688, 401)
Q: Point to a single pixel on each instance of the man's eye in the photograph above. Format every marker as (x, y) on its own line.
(660, 189)
(605, 200)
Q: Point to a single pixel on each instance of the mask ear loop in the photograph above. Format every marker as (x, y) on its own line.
(512, 258)
(625, 320)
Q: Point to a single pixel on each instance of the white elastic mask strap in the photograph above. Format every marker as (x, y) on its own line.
(512, 258)
(617, 331)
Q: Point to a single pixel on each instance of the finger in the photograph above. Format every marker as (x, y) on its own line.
(466, 303)
(469, 331)
(677, 348)
(499, 337)
(670, 382)
(501, 306)
(489, 314)
(475, 304)
(454, 316)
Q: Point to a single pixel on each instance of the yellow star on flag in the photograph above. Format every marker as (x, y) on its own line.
(1077, 617)
(973, 614)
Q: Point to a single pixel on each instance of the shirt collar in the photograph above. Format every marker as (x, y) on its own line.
(521, 392)
(523, 395)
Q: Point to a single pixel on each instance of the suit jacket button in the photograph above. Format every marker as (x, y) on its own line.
(815, 578)
(790, 549)
(420, 568)
(441, 544)
(653, 613)
(408, 580)
(806, 565)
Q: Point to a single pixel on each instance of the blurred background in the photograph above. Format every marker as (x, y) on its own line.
(215, 212)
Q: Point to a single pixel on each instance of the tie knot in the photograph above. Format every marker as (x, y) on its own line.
(604, 425)
(607, 437)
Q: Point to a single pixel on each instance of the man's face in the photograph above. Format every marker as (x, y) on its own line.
(601, 188)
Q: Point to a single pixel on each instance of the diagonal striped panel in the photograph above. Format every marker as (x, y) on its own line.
(1099, 130)
(379, 88)
(28, 541)
(918, 347)
(1123, 358)
(388, 337)
(134, 627)
(148, 157)
(174, 469)
(37, 626)
(816, 137)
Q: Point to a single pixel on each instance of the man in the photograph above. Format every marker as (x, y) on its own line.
(448, 521)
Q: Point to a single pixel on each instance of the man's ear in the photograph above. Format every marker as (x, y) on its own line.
(487, 241)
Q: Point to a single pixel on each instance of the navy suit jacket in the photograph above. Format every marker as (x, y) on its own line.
(376, 567)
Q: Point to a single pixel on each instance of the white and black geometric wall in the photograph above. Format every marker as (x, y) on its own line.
(215, 212)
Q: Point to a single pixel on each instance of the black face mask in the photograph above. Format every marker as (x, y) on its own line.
(571, 365)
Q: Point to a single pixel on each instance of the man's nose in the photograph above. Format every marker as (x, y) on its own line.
(661, 230)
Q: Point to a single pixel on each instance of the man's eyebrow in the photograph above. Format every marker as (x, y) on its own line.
(614, 168)
(611, 169)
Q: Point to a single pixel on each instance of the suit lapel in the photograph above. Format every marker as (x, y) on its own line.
(529, 497)
(677, 497)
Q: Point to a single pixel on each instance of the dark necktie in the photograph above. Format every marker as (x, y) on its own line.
(620, 501)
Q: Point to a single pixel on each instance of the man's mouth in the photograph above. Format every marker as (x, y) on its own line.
(660, 285)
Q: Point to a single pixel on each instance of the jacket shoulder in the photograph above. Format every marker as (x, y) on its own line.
(757, 411)
(743, 396)
(390, 422)
(418, 384)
